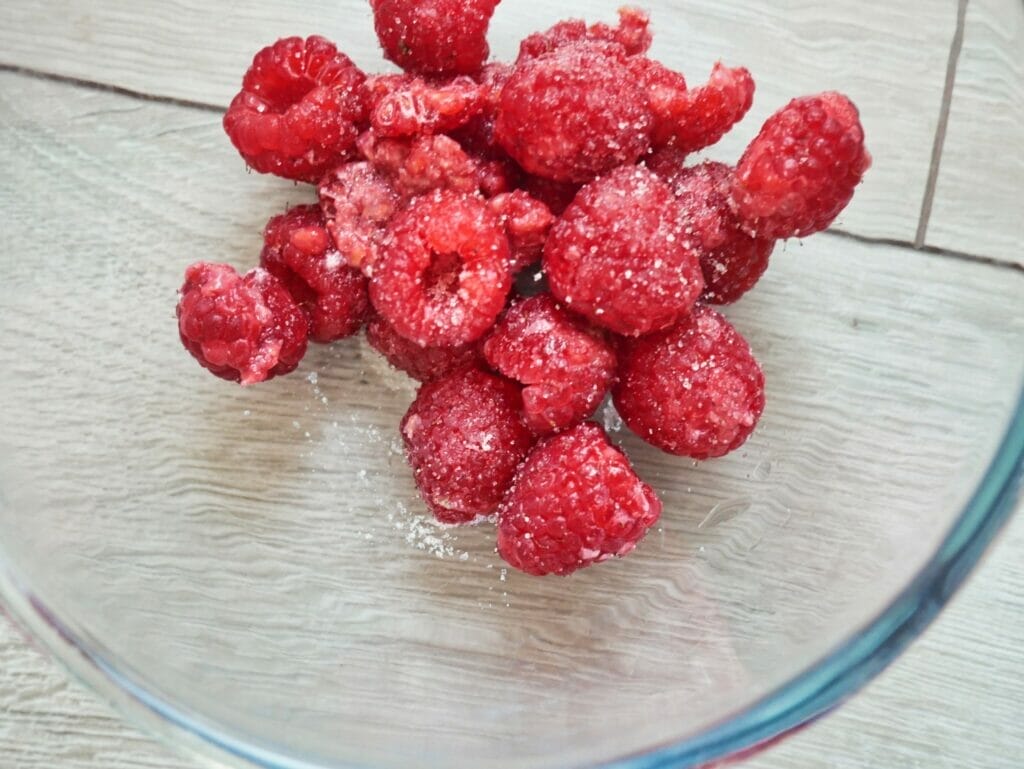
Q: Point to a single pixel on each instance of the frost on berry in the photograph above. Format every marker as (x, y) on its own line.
(575, 501)
(434, 37)
(443, 274)
(241, 328)
(632, 34)
(424, 364)
(464, 439)
(357, 203)
(565, 366)
(301, 107)
(694, 390)
(801, 170)
(574, 113)
(527, 222)
(417, 107)
(618, 254)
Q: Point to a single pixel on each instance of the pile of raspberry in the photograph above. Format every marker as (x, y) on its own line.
(574, 165)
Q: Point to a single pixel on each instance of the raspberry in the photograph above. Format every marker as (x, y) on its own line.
(442, 277)
(526, 222)
(800, 171)
(699, 117)
(417, 107)
(566, 366)
(463, 439)
(425, 163)
(434, 37)
(633, 34)
(244, 329)
(298, 250)
(422, 363)
(575, 501)
(357, 204)
(299, 110)
(555, 195)
(573, 114)
(732, 261)
(693, 390)
(619, 257)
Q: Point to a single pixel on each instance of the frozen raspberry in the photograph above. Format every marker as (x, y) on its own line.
(693, 390)
(425, 163)
(555, 195)
(434, 37)
(422, 363)
(442, 277)
(300, 109)
(695, 118)
(800, 172)
(565, 365)
(633, 34)
(526, 222)
(464, 438)
(731, 259)
(418, 107)
(575, 501)
(573, 114)
(242, 328)
(298, 250)
(618, 254)
(357, 203)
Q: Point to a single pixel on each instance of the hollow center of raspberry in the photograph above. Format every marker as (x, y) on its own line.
(442, 276)
(280, 96)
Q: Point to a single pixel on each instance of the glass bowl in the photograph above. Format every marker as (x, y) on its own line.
(249, 571)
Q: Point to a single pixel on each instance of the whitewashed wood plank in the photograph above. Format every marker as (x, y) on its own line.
(890, 59)
(978, 197)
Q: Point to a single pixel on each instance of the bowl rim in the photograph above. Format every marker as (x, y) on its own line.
(821, 687)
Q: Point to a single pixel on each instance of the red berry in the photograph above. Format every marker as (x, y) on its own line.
(417, 107)
(575, 501)
(527, 222)
(619, 257)
(464, 438)
(555, 195)
(800, 172)
(565, 365)
(357, 203)
(422, 363)
(573, 114)
(633, 34)
(693, 390)
(298, 250)
(442, 277)
(244, 329)
(299, 110)
(666, 95)
(732, 260)
(434, 37)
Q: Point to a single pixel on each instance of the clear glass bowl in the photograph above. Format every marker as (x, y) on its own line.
(250, 573)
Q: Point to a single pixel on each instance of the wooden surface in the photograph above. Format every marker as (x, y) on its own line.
(953, 701)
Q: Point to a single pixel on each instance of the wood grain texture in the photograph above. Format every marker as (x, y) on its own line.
(891, 60)
(977, 205)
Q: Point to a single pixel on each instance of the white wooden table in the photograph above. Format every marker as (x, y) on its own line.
(955, 699)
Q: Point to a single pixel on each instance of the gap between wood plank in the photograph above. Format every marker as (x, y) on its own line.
(956, 46)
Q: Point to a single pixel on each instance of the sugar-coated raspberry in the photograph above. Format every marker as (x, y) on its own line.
(732, 260)
(555, 195)
(242, 328)
(527, 222)
(574, 113)
(633, 34)
(418, 107)
(422, 363)
(300, 109)
(801, 170)
(443, 274)
(434, 37)
(357, 203)
(618, 254)
(565, 365)
(695, 118)
(298, 250)
(575, 501)
(694, 390)
(464, 439)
